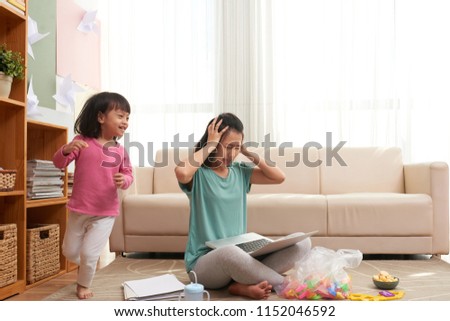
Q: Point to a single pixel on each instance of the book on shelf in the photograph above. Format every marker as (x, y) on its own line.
(40, 195)
(16, 6)
(34, 178)
(163, 287)
(69, 183)
(43, 172)
(40, 163)
(44, 188)
(38, 182)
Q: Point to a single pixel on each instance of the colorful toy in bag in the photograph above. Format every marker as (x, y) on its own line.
(321, 275)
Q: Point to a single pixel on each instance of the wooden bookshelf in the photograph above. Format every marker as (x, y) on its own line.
(22, 140)
(13, 32)
(43, 140)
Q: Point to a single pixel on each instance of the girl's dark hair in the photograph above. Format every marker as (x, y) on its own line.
(87, 123)
(228, 119)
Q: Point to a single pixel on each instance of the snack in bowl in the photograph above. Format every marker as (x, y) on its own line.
(385, 281)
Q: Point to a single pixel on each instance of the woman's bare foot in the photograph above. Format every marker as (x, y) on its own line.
(83, 292)
(260, 291)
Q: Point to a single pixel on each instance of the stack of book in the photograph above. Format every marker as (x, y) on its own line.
(44, 180)
(69, 184)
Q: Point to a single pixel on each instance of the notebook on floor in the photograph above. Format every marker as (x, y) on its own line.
(256, 244)
(162, 287)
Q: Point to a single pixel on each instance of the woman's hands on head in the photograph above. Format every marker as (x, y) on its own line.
(214, 135)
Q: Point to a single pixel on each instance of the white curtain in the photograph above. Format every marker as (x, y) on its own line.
(160, 55)
(244, 69)
(371, 72)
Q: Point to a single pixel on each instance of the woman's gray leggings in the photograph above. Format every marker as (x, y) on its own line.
(219, 267)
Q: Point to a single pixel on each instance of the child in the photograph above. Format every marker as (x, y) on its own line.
(217, 190)
(101, 166)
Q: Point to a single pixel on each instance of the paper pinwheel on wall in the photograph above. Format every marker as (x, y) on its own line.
(88, 23)
(32, 101)
(65, 95)
(34, 35)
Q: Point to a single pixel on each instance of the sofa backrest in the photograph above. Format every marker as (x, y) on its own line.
(164, 179)
(301, 178)
(369, 169)
(143, 180)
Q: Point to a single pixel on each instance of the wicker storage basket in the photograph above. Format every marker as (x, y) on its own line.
(42, 252)
(8, 254)
(7, 180)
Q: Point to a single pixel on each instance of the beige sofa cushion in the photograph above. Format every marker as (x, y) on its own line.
(159, 214)
(292, 163)
(164, 179)
(380, 214)
(283, 214)
(143, 180)
(300, 178)
(369, 169)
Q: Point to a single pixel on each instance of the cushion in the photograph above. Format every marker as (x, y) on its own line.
(159, 214)
(365, 169)
(164, 179)
(380, 214)
(283, 214)
(301, 176)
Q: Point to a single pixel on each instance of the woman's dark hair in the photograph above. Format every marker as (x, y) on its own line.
(228, 119)
(87, 123)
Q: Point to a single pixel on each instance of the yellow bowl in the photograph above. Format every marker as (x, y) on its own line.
(386, 285)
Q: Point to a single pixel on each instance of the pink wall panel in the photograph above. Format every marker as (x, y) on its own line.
(78, 53)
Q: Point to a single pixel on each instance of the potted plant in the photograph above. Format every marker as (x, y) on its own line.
(11, 66)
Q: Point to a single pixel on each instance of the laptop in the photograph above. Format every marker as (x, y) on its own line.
(256, 244)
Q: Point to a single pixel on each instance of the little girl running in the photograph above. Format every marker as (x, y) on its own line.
(101, 167)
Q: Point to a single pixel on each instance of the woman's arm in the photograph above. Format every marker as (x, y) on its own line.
(263, 173)
(186, 169)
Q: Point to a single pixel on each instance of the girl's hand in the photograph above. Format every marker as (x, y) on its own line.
(119, 179)
(74, 145)
(214, 134)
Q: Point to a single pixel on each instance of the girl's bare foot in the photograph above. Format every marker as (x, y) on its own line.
(83, 292)
(260, 291)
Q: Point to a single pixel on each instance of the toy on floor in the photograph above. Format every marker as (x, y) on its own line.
(381, 296)
(317, 288)
(321, 275)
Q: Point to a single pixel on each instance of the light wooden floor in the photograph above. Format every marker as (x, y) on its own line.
(42, 291)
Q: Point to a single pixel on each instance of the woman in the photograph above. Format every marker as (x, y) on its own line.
(217, 189)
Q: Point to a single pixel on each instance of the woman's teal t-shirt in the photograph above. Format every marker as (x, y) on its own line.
(218, 208)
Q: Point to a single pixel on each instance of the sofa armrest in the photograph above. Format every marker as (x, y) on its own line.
(117, 237)
(142, 184)
(432, 179)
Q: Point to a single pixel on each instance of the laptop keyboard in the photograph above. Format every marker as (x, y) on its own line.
(251, 246)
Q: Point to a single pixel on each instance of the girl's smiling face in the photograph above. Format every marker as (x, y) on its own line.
(113, 123)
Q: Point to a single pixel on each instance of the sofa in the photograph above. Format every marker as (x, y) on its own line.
(358, 198)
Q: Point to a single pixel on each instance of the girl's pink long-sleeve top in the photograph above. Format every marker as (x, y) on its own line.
(94, 191)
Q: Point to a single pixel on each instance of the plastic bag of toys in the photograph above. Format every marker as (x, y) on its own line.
(321, 275)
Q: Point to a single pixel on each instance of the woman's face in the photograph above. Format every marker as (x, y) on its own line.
(228, 148)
